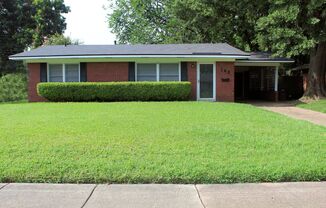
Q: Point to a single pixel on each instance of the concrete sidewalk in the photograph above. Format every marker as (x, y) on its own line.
(309, 194)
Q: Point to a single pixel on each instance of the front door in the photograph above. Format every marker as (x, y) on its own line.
(206, 82)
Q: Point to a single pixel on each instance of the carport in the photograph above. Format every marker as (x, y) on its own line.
(258, 77)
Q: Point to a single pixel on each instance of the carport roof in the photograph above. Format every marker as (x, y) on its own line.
(267, 56)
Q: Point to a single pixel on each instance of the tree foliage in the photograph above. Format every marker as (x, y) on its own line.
(60, 39)
(48, 19)
(187, 21)
(292, 27)
(140, 21)
(24, 23)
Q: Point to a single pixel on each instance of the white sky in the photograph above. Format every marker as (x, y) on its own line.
(87, 21)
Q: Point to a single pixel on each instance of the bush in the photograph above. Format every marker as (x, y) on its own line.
(13, 87)
(115, 91)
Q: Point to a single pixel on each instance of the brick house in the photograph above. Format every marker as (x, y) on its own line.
(217, 72)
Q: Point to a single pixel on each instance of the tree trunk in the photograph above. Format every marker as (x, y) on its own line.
(317, 71)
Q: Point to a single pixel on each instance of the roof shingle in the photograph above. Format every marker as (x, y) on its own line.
(113, 50)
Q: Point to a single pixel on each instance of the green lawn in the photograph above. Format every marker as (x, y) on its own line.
(319, 105)
(176, 142)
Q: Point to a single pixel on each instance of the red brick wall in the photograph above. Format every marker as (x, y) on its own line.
(107, 72)
(33, 80)
(192, 77)
(118, 71)
(225, 81)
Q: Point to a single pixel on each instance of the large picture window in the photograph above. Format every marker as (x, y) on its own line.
(63, 73)
(158, 72)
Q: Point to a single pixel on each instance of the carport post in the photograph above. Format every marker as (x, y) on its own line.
(276, 79)
(276, 84)
(261, 79)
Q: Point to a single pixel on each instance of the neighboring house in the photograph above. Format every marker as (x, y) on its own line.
(217, 72)
(302, 71)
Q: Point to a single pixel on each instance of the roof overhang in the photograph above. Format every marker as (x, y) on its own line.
(262, 62)
(19, 58)
(137, 60)
(240, 60)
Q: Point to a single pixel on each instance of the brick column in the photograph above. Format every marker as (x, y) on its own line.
(33, 80)
(225, 81)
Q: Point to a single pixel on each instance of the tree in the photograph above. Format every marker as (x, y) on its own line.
(187, 21)
(211, 21)
(59, 39)
(15, 30)
(140, 21)
(298, 27)
(48, 19)
(24, 23)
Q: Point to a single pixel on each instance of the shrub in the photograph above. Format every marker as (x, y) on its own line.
(13, 87)
(115, 91)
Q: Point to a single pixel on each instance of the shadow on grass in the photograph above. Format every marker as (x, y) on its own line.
(14, 102)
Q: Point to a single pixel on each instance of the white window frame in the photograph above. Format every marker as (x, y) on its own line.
(63, 71)
(158, 70)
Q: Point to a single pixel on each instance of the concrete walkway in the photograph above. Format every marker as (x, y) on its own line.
(289, 109)
(265, 195)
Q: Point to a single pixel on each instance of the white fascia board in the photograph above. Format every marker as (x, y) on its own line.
(260, 63)
(271, 61)
(127, 56)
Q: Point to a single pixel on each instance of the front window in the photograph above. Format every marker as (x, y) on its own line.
(63, 73)
(158, 72)
(146, 72)
(55, 73)
(72, 73)
(169, 72)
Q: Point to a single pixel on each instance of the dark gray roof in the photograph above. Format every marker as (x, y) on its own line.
(267, 56)
(114, 50)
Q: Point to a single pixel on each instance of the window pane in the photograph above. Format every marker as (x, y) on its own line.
(146, 72)
(169, 72)
(55, 73)
(72, 73)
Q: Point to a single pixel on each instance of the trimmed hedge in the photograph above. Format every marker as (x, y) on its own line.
(114, 91)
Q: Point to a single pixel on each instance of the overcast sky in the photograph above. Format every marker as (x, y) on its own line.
(87, 22)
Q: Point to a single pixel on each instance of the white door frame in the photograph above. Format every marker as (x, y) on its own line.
(214, 82)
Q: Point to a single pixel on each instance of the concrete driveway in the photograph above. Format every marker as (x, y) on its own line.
(288, 108)
(309, 194)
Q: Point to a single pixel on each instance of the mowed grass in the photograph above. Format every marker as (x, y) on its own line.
(319, 106)
(162, 142)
